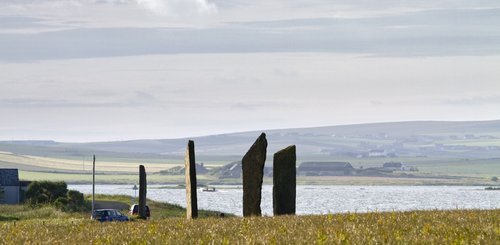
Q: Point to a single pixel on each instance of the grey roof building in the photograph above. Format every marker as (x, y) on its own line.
(9, 177)
(9, 186)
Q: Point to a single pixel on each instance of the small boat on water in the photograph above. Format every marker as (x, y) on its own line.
(206, 189)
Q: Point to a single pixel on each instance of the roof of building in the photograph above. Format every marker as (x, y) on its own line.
(9, 177)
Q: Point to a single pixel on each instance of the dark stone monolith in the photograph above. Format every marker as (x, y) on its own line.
(253, 171)
(142, 192)
(284, 181)
(191, 197)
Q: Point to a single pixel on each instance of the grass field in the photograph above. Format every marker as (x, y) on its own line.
(62, 164)
(210, 180)
(418, 227)
(363, 180)
(80, 178)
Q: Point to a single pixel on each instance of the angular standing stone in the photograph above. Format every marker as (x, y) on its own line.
(253, 171)
(142, 192)
(191, 197)
(284, 181)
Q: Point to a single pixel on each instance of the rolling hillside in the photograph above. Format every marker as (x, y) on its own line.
(309, 141)
(456, 148)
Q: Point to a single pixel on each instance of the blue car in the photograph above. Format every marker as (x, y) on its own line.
(109, 215)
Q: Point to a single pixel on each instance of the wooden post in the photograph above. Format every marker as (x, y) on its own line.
(253, 173)
(191, 192)
(284, 181)
(93, 187)
(142, 192)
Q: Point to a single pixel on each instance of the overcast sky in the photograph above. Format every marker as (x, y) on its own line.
(99, 70)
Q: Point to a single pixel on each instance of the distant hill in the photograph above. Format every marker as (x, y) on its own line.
(420, 138)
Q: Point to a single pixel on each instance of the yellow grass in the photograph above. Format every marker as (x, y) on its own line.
(420, 227)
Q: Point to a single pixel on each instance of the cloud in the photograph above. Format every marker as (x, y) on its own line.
(16, 22)
(432, 33)
(139, 99)
(474, 101)
(178, 7)
(260, 105)
(160, 7)
(54, 103)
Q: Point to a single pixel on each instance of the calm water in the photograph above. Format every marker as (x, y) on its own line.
(327, 199)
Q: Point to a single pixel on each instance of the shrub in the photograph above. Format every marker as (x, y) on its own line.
(76, 202)
(57, 194)
(61, 203)
(494, 178)
(45, 192)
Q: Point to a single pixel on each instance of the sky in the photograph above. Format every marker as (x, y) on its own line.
(105, 70)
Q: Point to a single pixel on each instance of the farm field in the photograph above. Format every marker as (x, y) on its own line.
(37, 163)
(432, 171)
(81, 178)
(369, 180)
(417, 227)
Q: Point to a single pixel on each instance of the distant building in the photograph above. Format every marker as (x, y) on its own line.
(398, 166)
(234, 170)
(231, 170)
(377, 153)
(180, 170)
(393, 165)
(325, 169)
(9, 186)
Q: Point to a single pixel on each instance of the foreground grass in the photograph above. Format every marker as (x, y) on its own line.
(419, 227)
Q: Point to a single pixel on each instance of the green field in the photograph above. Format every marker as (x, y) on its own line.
(79, 178)
(210, 180)
(418, 227)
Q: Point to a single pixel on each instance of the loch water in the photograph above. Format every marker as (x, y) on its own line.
(323, 199)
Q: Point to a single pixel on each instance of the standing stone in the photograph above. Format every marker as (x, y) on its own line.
(142, 192)
(253, 172)
(191, 197)
(284, 181)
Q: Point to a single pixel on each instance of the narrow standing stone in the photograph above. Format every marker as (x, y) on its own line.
(191, 197)
(284, 181)
(142, 192)
(253, 172)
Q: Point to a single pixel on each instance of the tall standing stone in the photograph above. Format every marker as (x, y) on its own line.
(284, 181)
(142, 192)
(253, 172)
(191, 197)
